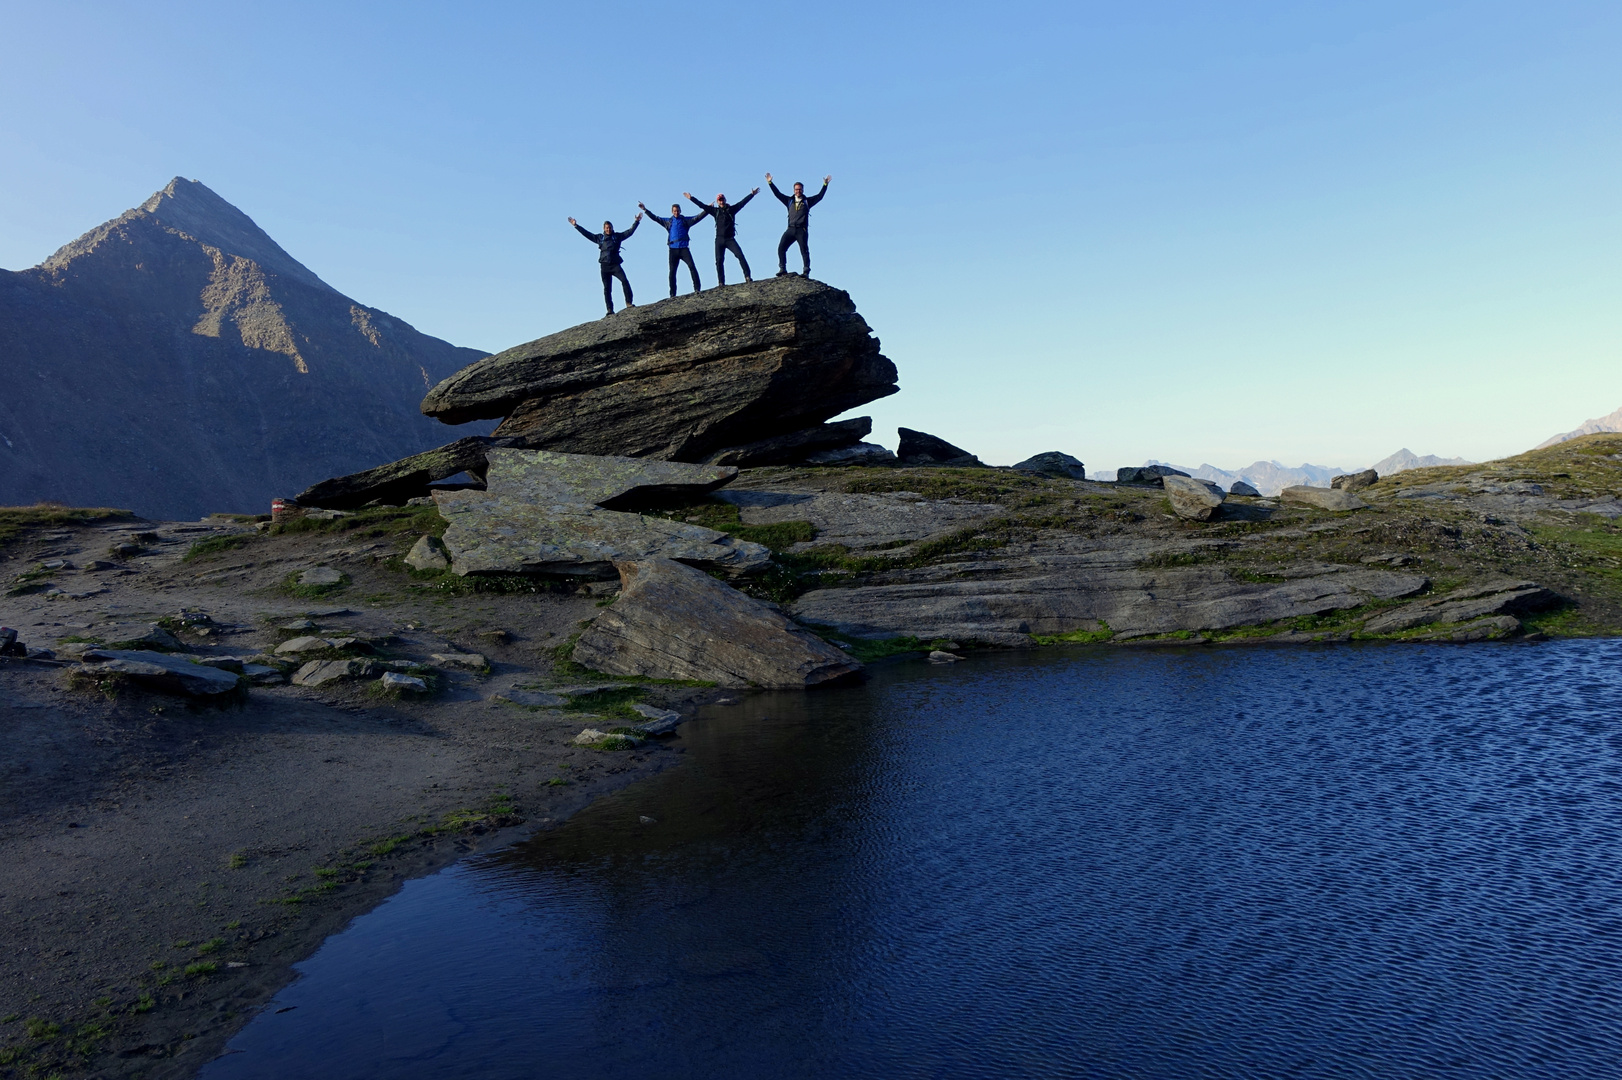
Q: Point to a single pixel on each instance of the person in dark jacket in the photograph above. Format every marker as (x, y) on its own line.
(608, 258)
(799, 222)
(726, 232)
(677, 226)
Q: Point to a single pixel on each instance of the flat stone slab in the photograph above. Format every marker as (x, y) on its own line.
(544, 476)
(162, 671)
(531, 699)
(1322, 498)
(460, 661)
(501, 534)
(1502, 598)
(322, 672)
(674, 622)
(860, 521)
(411, 684)
(321, 575)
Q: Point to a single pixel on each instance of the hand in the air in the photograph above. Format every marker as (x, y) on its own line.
(768, 178)
(639, 217)
(641, 207)
(755, 192)
(687, 194)
(826, 180)
(571, 221)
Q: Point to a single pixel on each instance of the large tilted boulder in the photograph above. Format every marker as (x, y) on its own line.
(681, 379)
(545, 513)
(1322, 498)
(407, 478)
(921, 448)
(1356, 481)
(1195, 500)
(674, 622)
(1053, 463)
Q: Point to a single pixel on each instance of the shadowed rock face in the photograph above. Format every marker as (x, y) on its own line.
(673, 622)
(177, 361)
(680, 379)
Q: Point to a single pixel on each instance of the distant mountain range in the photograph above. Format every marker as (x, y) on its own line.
(1270, 477)
(176, 361)
(1613, 422)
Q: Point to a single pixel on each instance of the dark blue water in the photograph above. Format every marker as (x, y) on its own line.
(1351, 862)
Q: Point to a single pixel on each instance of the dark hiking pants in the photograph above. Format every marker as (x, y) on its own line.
(794, 236)
(609, 274)
(677, 257)
(721, 249)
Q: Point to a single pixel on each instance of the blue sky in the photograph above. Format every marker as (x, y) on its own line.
(1189, 231)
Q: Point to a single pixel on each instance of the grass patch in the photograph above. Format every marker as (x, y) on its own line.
(616, 703)
(216, 544)
(375, 522)
(1077, 637)
(15, 519)
(202, 969)
(867, 650)
(291, 586)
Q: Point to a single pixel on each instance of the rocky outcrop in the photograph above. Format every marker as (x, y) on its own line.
(1193, 500)
(796, 446)
(398, 481)
(682, 379)
(177, 361)
(920, 448)
(1355, 481)
(1241, 488)
(1079, 585)
(1495, 598)
(544, 513)
(1322, 498)
(161, 671)
(863, 453)
(673, 622)
(428, 553)
(1146, 474)
(1053, 463)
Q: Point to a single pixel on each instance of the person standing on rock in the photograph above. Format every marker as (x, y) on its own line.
(677, 226)
(608, 258)
(726, 232)
(799, 222)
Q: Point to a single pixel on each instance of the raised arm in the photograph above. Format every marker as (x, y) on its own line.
(661, 220)
(696, 203)
(703, 212)
(626, 235)
(593, 237)
(812, 200)
(784, 199)
(743, 202)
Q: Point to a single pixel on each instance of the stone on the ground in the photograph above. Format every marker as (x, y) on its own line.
(795, 446)
(321, 672)
(919, 448)
(321, 575)
(1241, 488)
(1146, 474)
(303, 644)
(531, 699)
(1493, 598)
(234, 664)
(680, 379)
(35, 653)
(1054, 463)
(1355, 481)
(161, 671)
(657, 721)
(470, 661)
(1191, 499)
(263, 675)
(593, 737)
(411, 684)
(428, 553)
(590, 480)
(399, 482)
(674, 622)
(941, 656)
(298, 624)
(1491, 628)
(863, 453)
(496, 534)
(1322, 498)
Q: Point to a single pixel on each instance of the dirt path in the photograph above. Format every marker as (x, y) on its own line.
(162, 863)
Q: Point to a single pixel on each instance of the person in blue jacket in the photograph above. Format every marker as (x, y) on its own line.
(677, 226)
(608, 258)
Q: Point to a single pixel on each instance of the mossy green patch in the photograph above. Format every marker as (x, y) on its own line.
(216, 544)
(15, 519)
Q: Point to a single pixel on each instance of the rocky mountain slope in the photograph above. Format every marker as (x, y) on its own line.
(1612, 422)
(176, 361)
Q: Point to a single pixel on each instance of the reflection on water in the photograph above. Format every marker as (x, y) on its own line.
(1381, 862)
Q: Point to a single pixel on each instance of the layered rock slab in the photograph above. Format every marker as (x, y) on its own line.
(1497, 598)
(674, 622)
(161, 671)
(680, 379)
(542, 513)
(1005, 600)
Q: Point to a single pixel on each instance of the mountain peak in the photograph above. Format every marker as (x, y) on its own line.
(191, 209)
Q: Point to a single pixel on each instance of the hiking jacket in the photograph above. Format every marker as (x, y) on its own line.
(725, 216)
(799, 211)
(608, 247)
(678, 226)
